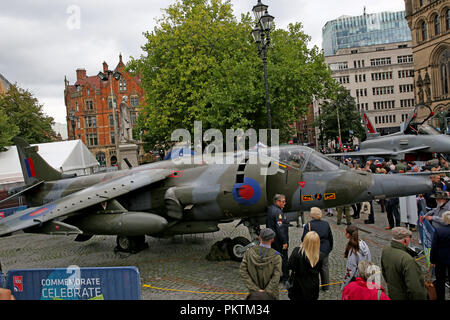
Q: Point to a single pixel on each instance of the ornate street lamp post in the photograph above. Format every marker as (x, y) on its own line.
(261, 35)
(116, 75)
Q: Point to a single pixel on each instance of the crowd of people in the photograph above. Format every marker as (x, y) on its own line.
(306, 270)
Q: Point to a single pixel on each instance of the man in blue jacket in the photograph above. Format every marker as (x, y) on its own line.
(277, 221)
(440, 254)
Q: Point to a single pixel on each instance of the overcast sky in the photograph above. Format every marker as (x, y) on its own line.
(43, 41)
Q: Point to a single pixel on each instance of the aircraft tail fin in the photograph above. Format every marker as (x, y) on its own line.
(370, 129)
(34, 167)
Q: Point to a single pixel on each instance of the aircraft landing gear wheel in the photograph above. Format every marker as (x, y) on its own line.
(130, 244)
(236, 249)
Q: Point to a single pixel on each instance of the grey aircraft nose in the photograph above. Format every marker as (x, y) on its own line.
(398, 185)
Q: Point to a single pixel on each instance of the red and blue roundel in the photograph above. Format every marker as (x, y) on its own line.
(247, 193)
(38, 212)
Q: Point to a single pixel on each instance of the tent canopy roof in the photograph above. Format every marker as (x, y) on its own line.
(69, 155)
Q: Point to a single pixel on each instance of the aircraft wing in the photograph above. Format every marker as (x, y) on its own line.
(82, 199)
(378, 152)
(366, 152)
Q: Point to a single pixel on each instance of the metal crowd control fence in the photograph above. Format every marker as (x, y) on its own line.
(75, 283)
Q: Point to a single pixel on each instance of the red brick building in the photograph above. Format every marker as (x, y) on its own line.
(89, 109)
(304, 129)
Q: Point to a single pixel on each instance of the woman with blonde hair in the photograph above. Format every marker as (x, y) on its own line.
(326, 241)
(305, 263)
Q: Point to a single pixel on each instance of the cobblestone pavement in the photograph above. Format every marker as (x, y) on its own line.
(176, 268)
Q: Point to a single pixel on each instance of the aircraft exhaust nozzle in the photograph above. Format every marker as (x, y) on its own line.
(125, 224)
(399, 185)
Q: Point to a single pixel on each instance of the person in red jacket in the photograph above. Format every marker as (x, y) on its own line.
(362, 288)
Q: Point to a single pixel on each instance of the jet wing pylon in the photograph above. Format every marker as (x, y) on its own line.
(83, 199)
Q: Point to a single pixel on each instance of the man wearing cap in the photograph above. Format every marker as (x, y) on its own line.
(435, 215)
(403, 275)
(261, 266)
(277, 221)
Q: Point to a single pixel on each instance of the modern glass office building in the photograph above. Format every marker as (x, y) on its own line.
(364, 30)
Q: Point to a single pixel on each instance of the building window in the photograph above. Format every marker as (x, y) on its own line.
(76, 105)
(382, 90)
(444, 79)
(423, 30)
(380, 61)
(134, 101)
(382, 76)
(437, 25)
(405, 59)
(89, 105)
(406, 73)
(447, 20)
(91, 121)
(339, 66)
(110, 103)
(113, 141)
(101, 158)
(92, 139)
(406, 88)
(122, 84)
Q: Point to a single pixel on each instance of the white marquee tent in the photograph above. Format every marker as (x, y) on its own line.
(67, 156)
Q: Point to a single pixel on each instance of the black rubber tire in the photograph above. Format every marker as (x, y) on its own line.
(236, 244)
(129, 244)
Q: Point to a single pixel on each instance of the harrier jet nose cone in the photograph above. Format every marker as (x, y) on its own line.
(399, 185)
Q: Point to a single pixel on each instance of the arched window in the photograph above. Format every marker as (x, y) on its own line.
(447, 20)
(437, 25)
(444, 78)
(423, 30)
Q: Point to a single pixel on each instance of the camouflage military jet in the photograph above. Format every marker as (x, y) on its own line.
(167, 197)
(418, 141)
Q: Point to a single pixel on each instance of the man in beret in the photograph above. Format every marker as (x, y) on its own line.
(260, 268)
(403, 275)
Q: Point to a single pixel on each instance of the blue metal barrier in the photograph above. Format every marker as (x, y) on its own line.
(2, 280)
(74, 283)
(9, 211)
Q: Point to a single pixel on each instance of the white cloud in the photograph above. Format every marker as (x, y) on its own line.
(40, 45)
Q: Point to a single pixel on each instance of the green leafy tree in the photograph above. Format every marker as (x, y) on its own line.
(7, 130)
(343, 107)
(24, 112)
(200, 63)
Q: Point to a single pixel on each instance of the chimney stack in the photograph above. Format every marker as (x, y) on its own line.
(105, 67)
(81, 74)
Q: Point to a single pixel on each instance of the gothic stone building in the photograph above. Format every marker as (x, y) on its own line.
(429, 21)
(89, 109)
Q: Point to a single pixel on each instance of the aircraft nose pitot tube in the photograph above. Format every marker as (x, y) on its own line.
(397, 185)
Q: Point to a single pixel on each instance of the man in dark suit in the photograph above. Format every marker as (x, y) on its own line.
(277, 221)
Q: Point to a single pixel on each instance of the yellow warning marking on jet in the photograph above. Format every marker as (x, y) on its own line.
(281, 165)
(329, 196)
